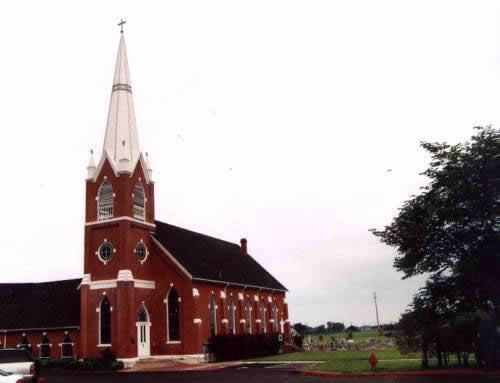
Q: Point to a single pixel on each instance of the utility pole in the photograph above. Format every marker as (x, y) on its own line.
(376, 311)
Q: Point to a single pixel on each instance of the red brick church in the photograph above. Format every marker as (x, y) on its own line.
(149, 289)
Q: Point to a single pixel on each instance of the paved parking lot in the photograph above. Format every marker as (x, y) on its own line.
(240, 374)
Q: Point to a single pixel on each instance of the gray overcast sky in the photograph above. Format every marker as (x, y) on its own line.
(273, 120)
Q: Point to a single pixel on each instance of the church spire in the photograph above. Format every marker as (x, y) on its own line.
(121, 144)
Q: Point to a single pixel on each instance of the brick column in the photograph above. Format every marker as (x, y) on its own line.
(126, 316)
(198, 321)
(84, 316)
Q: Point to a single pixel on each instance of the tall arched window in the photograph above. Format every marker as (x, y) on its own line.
(24, 343)
(248, 309)
(139, 201)
(275, 317)
(174, 334)
(105, 201)
(213, 316)
(263, 317)
(232, 310)
(105, 322)
(44, 347)
(66, 346)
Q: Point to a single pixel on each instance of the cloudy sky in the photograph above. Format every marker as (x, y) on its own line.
(271, 120)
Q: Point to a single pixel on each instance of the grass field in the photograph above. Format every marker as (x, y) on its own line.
(326, 356)
(357, 361)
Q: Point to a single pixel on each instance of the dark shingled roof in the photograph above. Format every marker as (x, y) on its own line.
(39, 305)
(214, 259)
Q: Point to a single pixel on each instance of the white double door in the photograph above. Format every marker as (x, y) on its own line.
(143, 339)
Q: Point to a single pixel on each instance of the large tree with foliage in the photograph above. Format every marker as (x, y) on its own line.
(451, 230)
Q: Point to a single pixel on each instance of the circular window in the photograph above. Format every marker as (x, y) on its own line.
(106, 252)
(141, 252)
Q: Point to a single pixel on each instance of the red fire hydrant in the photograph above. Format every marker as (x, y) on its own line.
(373, 361)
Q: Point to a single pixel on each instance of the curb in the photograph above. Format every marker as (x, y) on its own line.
(398, 374)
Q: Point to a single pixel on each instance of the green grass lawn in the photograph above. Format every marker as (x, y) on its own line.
(357, 361)
(328, 356)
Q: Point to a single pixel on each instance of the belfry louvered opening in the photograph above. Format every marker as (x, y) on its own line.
(139, 202)
(105, 201)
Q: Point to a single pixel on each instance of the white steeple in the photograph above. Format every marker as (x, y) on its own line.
(121, 144)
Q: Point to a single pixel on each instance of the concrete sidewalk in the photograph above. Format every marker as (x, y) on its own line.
(183, 364)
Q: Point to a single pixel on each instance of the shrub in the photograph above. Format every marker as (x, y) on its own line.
(232, 347)
(54, 363)
(107, 361)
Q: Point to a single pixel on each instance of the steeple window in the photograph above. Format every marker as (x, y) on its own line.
(139, 202)
(105, 201)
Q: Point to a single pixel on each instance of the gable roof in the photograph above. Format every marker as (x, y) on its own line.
(212, 259)
(43, 305)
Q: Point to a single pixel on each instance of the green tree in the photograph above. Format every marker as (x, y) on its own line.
(451, 230)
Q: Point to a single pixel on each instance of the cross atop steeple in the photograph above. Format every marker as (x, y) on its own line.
(120, 24)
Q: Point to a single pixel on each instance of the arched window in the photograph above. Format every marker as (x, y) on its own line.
(174, 334)
(263, 317)
(275, 317)
(66, 346)
(213, 316)
(139, 201)
(248, 309)
(232, 327)
(105, 322)
(24, 343)
(44, 347)
(105, 201)
(143, 315)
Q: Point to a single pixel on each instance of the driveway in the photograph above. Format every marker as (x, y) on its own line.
(240, 374)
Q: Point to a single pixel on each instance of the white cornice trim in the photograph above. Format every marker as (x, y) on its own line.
(123, 276)
(171, 257)
(122, 218)
(104, 284)
(142, 284)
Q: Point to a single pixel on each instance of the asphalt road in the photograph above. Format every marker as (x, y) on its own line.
(239, 374)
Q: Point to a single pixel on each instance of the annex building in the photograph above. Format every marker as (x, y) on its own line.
(149, 289)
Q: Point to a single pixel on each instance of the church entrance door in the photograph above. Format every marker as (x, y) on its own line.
(143, 334)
